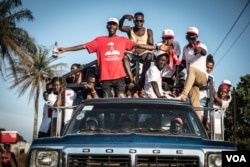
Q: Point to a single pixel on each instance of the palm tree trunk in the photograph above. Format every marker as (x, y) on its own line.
(35, 124)
(36, 113)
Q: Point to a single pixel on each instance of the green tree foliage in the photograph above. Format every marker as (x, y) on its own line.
(33, 77)
(239, 131)
(15, 42)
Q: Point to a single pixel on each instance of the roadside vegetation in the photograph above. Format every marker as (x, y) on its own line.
(237, 121)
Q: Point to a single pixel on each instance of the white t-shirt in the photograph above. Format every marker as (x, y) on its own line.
(70, 96)
(225, 104)
(153, 74)
(197, 61)
(44, 127)
(52, 99)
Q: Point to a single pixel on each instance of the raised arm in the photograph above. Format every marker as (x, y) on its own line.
(200, 50)
(59, 100)
(217, 98)
(73, 48)
(121, 22)
(162, 47)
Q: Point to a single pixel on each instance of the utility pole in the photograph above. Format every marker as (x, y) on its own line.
(234, 110)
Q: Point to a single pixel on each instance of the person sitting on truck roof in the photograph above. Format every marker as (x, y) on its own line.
(153, 79)
(138, 34)
(168, 77)
(194, 59)
(110, 53)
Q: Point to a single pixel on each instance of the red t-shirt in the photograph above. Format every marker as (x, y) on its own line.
(110, 53)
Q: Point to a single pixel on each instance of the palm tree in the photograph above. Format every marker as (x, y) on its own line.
(14, 41)
(34, 79)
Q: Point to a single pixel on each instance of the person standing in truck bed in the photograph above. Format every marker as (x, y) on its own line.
(110, 53)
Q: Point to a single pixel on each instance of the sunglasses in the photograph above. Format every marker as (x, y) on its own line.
(141, 21)
(112, 23)
(168, 38)
(192, 38)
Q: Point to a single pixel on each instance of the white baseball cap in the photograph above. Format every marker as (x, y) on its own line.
(113, 19)
(193, 30)
(226, 82)
(157, 53)
(168, 33)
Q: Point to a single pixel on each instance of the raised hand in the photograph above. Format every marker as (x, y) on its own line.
(129, 17)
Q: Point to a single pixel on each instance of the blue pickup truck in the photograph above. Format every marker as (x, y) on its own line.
(129, 132)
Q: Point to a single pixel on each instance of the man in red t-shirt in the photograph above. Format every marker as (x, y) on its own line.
(7, 155)
(110, 53)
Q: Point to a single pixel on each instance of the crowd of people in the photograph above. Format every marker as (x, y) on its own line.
(116, 56)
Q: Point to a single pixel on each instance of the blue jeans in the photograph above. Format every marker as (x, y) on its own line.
(204, 102)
